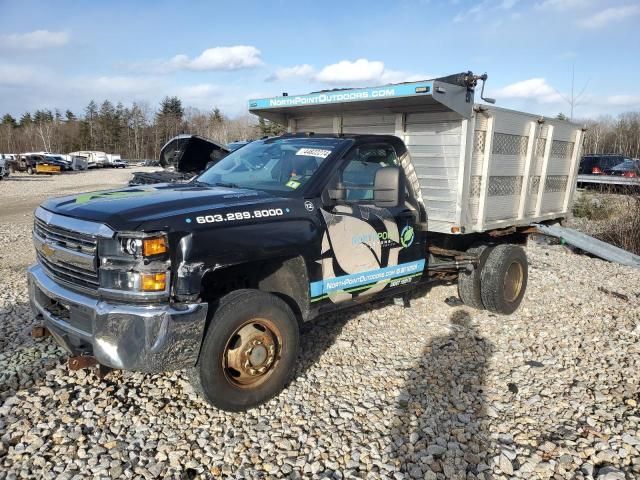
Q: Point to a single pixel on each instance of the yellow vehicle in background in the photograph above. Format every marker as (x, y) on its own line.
(47, 168)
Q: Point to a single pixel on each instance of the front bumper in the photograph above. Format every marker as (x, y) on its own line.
(146, 338)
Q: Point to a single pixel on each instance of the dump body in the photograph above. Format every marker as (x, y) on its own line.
(479, 167)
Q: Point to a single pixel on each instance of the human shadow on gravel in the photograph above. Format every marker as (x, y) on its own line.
(318, 335)
(441, 424)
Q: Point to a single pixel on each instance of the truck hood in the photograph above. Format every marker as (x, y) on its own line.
(129, 208)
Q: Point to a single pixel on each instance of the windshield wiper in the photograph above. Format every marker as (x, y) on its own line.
(226, 184)
(199, 183)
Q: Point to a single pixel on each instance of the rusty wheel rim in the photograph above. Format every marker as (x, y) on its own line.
(513, 281)
(252, 352)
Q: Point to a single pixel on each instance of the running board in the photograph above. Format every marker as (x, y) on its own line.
(589, 244)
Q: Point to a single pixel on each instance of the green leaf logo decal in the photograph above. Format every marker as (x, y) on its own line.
(407, 236)
(87, 197)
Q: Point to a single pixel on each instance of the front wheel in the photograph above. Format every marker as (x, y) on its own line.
(30, 170)
(504, 279)
(248, 353)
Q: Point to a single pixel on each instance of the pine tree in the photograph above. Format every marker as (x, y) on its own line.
(269, 129)
(70, 116)
(9, 120)
(171, 107)
(26, 119)
(216, 116)
(87, 130)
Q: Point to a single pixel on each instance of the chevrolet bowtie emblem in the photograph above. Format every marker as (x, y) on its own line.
(47, 250)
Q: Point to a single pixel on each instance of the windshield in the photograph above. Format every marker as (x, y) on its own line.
(627, 164)
(280, 165)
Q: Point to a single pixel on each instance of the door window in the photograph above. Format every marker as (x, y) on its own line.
(359, 175)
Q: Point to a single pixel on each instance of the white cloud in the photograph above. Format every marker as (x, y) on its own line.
(27, 88)
(347, 72)
(536, 89)
(362, 72)
(508, 4)
(297, 71)
(16, 75)
(35, 40)
(626, 101)
(610, 15)
(219, 58)
(562, 5)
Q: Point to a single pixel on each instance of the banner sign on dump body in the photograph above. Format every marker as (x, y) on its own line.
(339, 96)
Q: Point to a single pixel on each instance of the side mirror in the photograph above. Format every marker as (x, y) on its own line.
(388, 187)
(338, 193)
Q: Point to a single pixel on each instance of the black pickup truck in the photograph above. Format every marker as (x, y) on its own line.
(216, 275)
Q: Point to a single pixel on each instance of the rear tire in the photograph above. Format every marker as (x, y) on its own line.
(248, 352)
(469, 282)
(504, 279)
(30, 170)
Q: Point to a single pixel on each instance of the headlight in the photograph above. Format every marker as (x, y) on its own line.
(147, 247)
(135, 265)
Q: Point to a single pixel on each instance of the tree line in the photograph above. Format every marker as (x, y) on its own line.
(139, 132)
(134, 132)
(609, 134)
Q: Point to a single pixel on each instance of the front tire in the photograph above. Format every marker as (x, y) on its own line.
(504, 279)
(30, 170)
(248, 352)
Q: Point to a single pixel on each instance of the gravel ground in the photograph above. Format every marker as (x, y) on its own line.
(431, 391)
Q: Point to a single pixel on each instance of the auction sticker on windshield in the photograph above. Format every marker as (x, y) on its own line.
(314, 152)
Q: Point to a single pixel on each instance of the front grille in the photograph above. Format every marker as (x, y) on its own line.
(66, 238)
(69, 273)
(66, 255)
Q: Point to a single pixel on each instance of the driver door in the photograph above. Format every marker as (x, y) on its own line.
(368, 249)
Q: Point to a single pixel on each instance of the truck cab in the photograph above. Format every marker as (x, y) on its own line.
(303, 224)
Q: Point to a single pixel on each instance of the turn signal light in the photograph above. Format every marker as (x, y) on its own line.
(154, 246)
(153, 282)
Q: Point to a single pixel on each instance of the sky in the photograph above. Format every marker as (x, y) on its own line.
(219, 54)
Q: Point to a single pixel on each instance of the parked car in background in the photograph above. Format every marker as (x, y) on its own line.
(596, 164)
(630, 168)
(237, 144)
(53, 159)
(118, 164)
(58, 159)
(5, 161)
(112, 160)
(23, 162)
(182, 158)
(4, 171)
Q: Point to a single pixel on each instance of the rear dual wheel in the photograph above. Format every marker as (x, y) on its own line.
(499, 282)
(248, 352)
